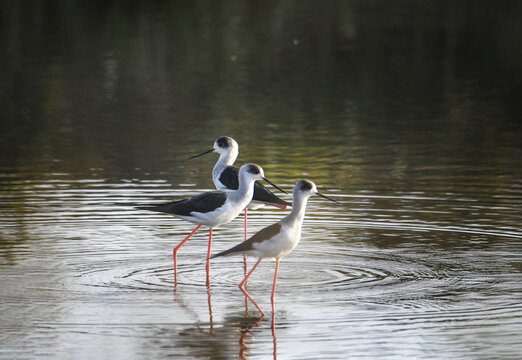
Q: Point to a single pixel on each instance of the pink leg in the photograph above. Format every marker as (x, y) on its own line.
(244, 256)
(175, 254)
(207, 267)
(245, 262)
(211, 317)
(241, 287)
(274, 286)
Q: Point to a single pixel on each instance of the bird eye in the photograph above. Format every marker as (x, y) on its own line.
(254, 170)
(221, 142)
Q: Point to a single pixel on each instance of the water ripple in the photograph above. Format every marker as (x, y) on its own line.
(399, 263)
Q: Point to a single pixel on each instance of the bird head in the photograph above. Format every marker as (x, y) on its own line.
(308, 188)
(222, 145)
(253, 172)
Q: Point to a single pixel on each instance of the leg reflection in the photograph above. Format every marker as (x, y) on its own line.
(211, 317)
(247, 324)
(194, 314)
(274, 339)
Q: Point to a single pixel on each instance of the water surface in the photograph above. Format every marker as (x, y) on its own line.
(407, 113)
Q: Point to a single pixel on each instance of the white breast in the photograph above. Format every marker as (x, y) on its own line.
(219, 216)
(280, 244)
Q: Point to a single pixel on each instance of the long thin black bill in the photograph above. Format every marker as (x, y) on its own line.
(274, 185)
(326, 197)
(203, 153)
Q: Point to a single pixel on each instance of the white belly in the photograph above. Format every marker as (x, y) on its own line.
(222, 215)
(279, 245)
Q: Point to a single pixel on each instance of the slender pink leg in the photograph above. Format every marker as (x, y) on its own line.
(274, 286)
(244, 256)
(245, 262)
(241, 287)
(207, 267)
(175, 254)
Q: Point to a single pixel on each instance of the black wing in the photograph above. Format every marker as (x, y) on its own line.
(262, 194)
(205, 202)
(230, 177)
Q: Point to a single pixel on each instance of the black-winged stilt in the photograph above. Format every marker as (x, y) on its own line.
(213, 208)
(277, 240)
(225, 177)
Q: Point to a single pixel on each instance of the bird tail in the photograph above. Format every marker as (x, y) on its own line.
(145, 207)
(149, 207)
(164, 208)
(223, 253)
(238, 249)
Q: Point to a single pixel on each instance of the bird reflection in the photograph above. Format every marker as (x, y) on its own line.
(210, 316)
(178, 300)
(182, 303)
(246, 324)
(274, 338)
(215, 342)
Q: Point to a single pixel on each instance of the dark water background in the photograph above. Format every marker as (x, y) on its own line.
(407, 112)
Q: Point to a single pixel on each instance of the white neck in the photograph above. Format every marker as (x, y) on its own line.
(298, 208)
(245, 192)
(225, 159)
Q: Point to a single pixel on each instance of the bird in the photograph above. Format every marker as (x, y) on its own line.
(279, 239)
(212, 208)
(225, 176)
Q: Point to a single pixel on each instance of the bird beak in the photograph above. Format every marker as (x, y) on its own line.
(326, 197)
(203, 153)
(274, 185)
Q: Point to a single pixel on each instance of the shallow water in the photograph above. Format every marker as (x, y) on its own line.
(392, 116)
(383, 274)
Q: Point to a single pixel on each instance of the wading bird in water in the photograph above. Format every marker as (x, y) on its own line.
(226, 177)
(277, 240)
(213, 208)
